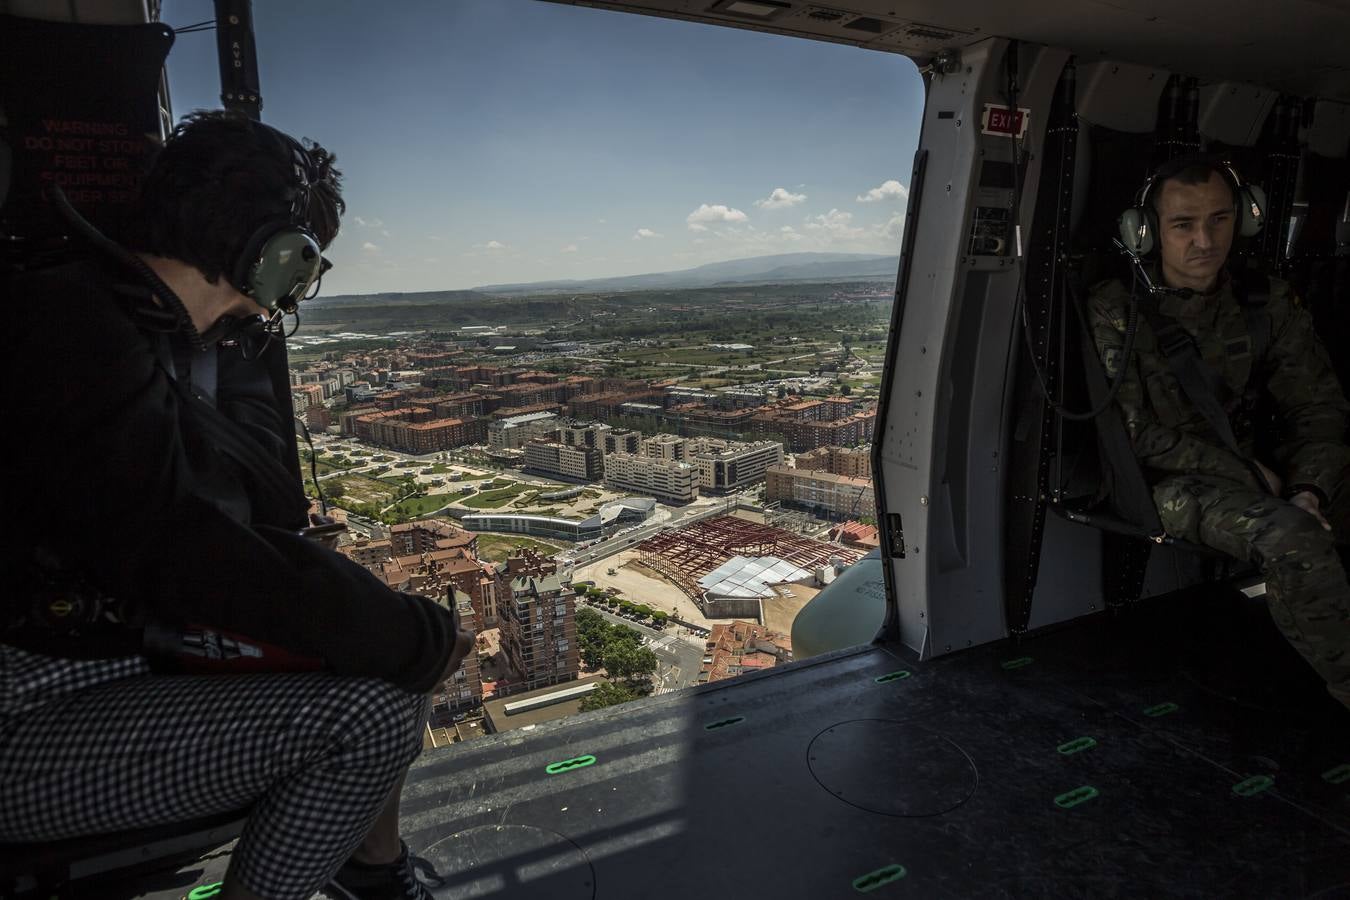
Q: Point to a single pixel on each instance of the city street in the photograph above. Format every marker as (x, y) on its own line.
(678, 656)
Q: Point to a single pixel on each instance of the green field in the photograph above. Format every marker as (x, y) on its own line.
(496, 547)
(493, 499)
(363, 489)
(414, 507)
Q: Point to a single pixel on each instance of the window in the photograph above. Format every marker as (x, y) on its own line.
(726, 378)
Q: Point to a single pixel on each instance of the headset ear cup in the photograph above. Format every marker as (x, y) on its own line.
(242, 276)
(1252, 215)
(1137, 225)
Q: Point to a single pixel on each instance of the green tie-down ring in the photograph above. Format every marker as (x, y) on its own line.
(865, 884)
(1076, 745)
(1070, 799)
(567, 765)
(1250, 787)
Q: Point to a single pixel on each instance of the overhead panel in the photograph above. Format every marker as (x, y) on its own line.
(1234, 113)
(1120, 95)
(921, 39)
(1293, 47)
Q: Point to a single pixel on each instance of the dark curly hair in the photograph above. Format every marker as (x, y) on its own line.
(218, 179)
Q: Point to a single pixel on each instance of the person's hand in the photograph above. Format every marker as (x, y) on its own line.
(328, 529)
(1308, 502)
(1275, 482)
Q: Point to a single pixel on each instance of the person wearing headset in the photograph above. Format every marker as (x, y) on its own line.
(159, 519)
(1269, 499)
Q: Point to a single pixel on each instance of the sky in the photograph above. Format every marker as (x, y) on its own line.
(493, 141)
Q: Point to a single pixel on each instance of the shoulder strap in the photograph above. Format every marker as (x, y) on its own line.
(1128, 489)
(1195, 378)
(231, 440)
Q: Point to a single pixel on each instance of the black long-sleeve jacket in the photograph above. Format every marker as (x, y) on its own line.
(107, 466)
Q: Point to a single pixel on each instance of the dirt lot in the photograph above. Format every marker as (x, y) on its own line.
(642, 585)
(782, 609)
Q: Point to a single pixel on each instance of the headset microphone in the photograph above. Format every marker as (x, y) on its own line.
(1142, 271)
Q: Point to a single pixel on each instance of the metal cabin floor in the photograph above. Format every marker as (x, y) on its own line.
(824, 774)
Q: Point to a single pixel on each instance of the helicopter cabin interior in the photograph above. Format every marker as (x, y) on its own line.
(1052, 706)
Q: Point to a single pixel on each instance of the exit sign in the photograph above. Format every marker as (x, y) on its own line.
(1002, 120)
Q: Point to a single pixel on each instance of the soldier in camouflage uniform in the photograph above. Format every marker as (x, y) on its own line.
(1205, 493)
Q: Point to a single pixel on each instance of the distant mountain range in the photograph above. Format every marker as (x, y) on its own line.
(784, 267)
(759, 269)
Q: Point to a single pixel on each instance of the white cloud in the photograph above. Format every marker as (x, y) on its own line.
(834, 226)
(698, 219)
(570, 248)
(893, 228)
(788, 233)
(370, 248)
(890, 189)
(435, 237)
(368, 223)
(490, 245)
(781, 198)
(645, 233)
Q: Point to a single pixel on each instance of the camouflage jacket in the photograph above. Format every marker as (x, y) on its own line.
(1170, 436)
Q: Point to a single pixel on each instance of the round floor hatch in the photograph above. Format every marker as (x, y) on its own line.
(892, 768)
(517, 861)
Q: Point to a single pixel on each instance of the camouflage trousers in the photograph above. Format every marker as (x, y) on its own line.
(1306, 587)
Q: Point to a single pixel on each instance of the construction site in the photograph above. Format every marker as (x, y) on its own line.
(728, 564)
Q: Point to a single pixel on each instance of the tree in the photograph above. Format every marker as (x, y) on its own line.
(592, 636)
(632, 665)
(782, 391)
(845, 388)
(607, 694)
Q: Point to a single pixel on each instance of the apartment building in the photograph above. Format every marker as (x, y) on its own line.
(514, 432)
(809, 434)
(427, 535)
(584, 434)
(458, 406)
(855, 462)
(622, 440)
(538, 630)
(825, 493)
(664, 479)
(731, 465)
(428, 436)
(556, 459)
(306, 396)
(668, 447)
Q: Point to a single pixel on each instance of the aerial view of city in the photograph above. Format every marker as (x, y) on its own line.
(623, 492)
(613, 401)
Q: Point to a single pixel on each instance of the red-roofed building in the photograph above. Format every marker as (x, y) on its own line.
(741, 647)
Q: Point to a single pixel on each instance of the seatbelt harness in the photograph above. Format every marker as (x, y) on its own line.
(1197, 379)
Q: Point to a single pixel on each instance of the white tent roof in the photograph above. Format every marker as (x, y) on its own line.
(743, 576)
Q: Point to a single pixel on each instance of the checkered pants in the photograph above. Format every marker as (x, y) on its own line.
(101, 746)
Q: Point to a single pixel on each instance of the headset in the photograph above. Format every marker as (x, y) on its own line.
(1139, 224)
(282, 260)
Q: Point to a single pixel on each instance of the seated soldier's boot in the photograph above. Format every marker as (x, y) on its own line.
(397, 880)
